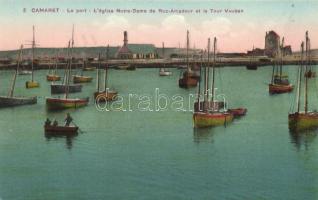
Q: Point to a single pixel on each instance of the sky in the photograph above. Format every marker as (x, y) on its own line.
(236, 32)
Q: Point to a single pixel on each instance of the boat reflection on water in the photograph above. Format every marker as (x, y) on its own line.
(68, 138)
(203, 135)
(303, 139)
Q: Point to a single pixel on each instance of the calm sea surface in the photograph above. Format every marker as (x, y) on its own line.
(158, 155)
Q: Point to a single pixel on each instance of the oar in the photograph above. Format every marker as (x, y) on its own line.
(80, 130)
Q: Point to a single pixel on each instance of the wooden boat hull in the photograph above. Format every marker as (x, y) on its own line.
(24, 72)
(187, 82)
(53, 78)
(60, 130)
(60, 88)
(303, 121)
(16, 101)
(238, 112)
(105, 96)
(201, 119)
(189, 79)
(310, 74)
(82, 79)
(165, 73)
(278, 89)
(32, 84)
(126, 67)
(59, 104)
(89, 69)
(251, 67)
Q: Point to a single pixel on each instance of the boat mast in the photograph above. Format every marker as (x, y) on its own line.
(15, 73)
(213, 67)
(106, 68)
(307, 48)
(306, 78)
(33, 47)
(56, 60)
(299, 77)
(97, 74)
(206, 73)
(163, 54)
(199, 86)
(281, 60)
(68, 71)
(188, 66)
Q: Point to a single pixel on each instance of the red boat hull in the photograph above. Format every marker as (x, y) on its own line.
(278, 89)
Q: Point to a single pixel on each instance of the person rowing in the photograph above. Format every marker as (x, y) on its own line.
(68, 119)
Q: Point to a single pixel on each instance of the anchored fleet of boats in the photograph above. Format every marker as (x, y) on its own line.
(209, 110)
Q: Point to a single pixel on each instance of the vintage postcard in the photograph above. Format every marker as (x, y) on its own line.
(151, 99)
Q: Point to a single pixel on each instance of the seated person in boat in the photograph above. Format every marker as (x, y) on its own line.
(47, 122)
(68, 119)
(55, 123)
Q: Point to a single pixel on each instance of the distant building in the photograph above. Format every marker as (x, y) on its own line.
(256, 52)
(287, 50)
(136, 51)
(272, 43)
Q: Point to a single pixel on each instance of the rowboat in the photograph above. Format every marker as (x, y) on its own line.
(60, 130)
(238, 112)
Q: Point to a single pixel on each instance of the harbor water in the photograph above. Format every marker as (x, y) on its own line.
(159, 155)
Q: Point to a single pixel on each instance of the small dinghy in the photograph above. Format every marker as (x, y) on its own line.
(62, 130)
(55, 128)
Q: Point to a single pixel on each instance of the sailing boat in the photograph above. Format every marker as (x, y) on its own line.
(251, 65)
(162, 71)
(106, 94)
(60, 88)
(310, 73)
(302, 120)
(32, 83)
(279, 82)
(211, 114)
(81, 78)
(66, 102)
(188, 78)
(10, 100)
(52, 76)
(87, 68)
